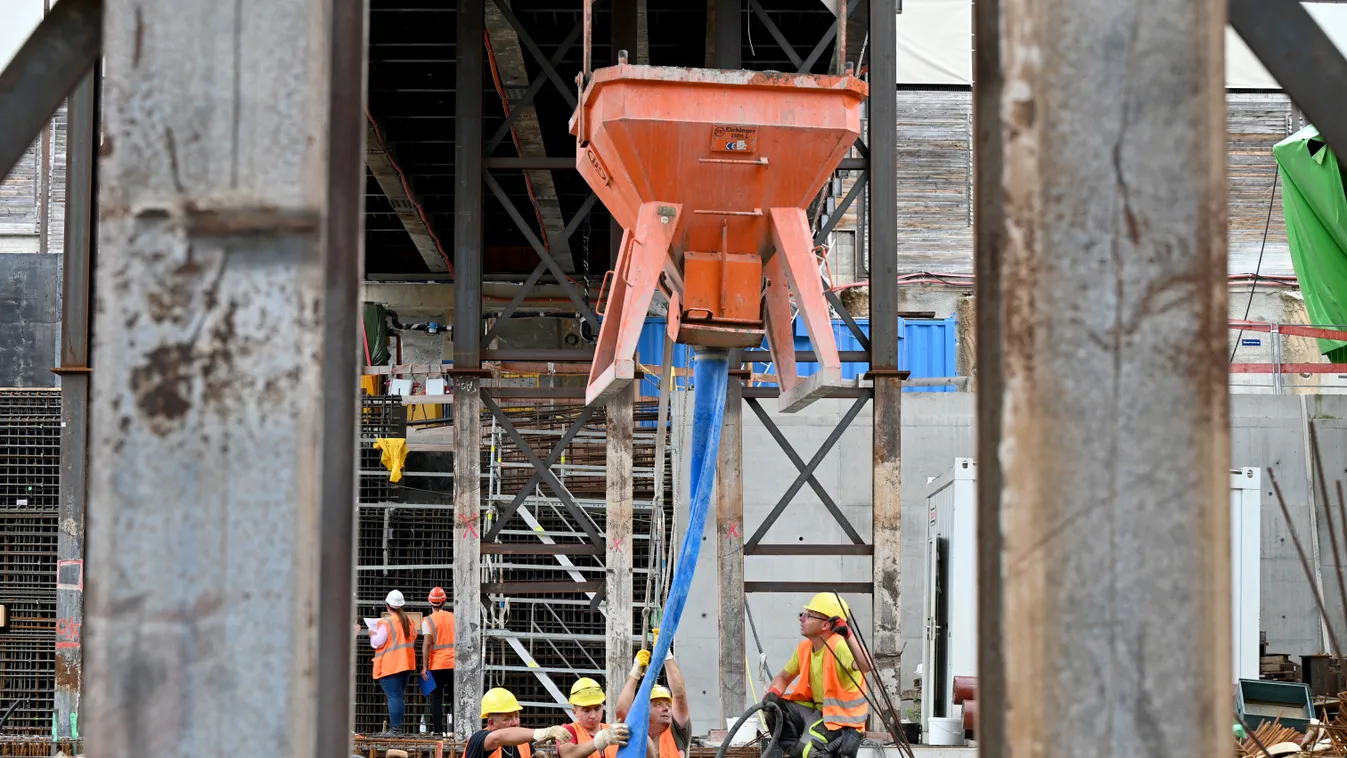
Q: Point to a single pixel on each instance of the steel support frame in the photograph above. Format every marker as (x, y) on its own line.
(468, 241)
(223, 282)
(75, 372)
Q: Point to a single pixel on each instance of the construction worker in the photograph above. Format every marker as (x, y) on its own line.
(503, 737)
(437, 657)
(394, 643)
(825, 712)
(670, 722)
(591, 737)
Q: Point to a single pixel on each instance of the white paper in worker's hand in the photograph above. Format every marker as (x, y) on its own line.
(372, 623)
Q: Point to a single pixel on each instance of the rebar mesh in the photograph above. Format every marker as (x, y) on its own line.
(30, 463)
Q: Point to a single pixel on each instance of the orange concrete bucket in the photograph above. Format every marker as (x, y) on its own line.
(709, 173)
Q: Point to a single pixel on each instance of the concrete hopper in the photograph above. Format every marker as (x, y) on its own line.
(709, 172)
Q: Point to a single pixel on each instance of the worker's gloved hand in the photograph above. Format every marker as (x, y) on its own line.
(617, 734)
(639, 663)
(773, 696)
(840, 627)
(550, 733)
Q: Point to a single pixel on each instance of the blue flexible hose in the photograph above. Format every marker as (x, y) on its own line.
(710, 372)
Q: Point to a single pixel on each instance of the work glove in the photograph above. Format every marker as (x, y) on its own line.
(772, 696)
(840, 627)
(550, 733)
(639, 663)
(667, 656)
(617, 734)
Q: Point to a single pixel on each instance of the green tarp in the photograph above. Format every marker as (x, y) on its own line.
(1316, 229)
(376, 334)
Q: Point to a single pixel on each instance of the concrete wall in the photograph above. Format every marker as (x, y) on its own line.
(1266, 431)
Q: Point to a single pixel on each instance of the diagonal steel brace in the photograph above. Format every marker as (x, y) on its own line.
(517, 107)
(580, 305)
(806, 472)
(538, 270)
(558, 450)
(563, 494)
(537, 53)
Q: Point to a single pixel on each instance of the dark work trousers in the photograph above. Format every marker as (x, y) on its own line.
(443, 692)
(803, 735)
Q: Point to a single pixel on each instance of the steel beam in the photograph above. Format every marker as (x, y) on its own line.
(883, 176)
(1301, 57)
(729, 40)
(988, 226)
(379, 158)
(80, 220)
(53, 60)
(468, 173)
(619, 560)
(730, 549)
(234, 224)
(775, 31)
(1114, 437)
(516, 109)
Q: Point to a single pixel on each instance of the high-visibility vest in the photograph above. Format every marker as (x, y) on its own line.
(844, 705)
(398, 653)
(668, 746)
(581, 736)
(441, 640)
(524, 752)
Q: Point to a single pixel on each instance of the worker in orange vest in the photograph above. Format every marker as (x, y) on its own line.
(503, 737)
(394, 643)
(590, 736)
(437, 657)
(670, 720)
(826, 710)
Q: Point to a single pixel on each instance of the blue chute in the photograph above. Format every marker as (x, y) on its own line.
(710, 373)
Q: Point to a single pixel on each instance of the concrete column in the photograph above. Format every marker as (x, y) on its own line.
(886, 525)
(221, 470)
(1114, 438)
(618, 569)
(468, 646)
(730, 557)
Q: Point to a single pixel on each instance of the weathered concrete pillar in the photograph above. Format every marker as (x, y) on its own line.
(619, 560)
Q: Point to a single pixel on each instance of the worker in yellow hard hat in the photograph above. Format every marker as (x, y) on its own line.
(591, 738)
(670, 719)
(826, 709)
(503, 737)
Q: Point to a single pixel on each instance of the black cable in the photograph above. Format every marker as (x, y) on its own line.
(888, 718)
(752, 709)
(1271, 201)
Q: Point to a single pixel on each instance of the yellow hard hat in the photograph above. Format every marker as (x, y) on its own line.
(660, 692)
(828, 604)
(499, 700)
(586, 691)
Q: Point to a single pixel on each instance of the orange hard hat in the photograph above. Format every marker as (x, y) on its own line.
(437, 595)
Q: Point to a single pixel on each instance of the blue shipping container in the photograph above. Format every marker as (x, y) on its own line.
(926, 348)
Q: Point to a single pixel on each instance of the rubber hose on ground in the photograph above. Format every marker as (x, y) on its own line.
(752, 709)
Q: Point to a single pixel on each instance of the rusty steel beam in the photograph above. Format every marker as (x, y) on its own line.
(48, 65)
(1114, 437)
(233, 224)
(76, 294)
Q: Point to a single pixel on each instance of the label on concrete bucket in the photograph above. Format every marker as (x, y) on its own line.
(726, 138)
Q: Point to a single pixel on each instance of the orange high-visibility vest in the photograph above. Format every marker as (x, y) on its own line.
(668, 746)
(844, 705)
(398, 653)
(581, 737)
(442, 640)
(524, 752)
